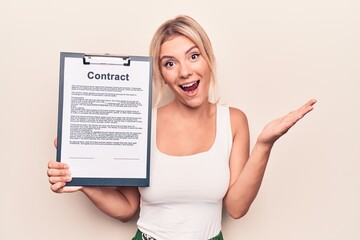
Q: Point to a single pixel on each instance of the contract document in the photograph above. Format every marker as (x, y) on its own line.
(104, 119)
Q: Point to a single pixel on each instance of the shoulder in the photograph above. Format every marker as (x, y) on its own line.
(238, 118)
(237, 115)
(239, 122)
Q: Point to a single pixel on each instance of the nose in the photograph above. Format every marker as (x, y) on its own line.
(185, 71)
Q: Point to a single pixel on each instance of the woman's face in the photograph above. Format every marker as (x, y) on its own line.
(185, 71)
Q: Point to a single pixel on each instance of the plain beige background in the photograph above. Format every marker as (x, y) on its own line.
(272, 57)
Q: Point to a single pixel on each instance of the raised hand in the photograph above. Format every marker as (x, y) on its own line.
(278, 127)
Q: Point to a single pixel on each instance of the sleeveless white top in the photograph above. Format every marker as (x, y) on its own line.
(184, 200)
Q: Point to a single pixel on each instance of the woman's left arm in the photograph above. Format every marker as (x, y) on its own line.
(246, 173)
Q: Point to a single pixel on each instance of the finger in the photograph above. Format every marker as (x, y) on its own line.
(57, 187)
(308, 103)
(58, 173)
(289, 120)
(57, 165)
(71, 189)
(308, 106)
(303, 110)
(311, 102)
(64, 179)
(62, 188)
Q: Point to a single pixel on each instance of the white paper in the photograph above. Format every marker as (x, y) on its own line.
(105, 119)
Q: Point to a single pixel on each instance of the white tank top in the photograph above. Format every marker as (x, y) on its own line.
(184, 200)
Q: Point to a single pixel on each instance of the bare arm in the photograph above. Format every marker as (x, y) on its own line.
(118, 202)
(247, 171)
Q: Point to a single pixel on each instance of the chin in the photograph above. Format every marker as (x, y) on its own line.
(195, 103)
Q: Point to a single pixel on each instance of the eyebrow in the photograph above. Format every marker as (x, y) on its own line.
(187, 51)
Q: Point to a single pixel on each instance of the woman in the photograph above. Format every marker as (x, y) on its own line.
(200, 150)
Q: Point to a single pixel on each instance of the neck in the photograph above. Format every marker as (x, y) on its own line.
(205, 110)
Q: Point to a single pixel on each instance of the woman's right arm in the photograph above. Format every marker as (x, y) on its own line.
(118, 202)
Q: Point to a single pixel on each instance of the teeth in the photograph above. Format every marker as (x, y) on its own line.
(188, 85)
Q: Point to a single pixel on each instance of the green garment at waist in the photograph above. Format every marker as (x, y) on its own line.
(141, 236)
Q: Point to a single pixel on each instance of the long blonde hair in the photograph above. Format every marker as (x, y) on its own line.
(188, 27)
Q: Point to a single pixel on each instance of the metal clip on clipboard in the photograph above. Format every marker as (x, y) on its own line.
(106, 59)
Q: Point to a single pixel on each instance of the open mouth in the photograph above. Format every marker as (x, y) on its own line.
(190, 86)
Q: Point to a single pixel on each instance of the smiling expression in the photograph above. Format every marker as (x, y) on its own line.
(185, 71)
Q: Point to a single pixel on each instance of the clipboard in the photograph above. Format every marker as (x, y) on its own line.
(104, 118)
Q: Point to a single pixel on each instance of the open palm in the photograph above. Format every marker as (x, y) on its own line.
(278, 127)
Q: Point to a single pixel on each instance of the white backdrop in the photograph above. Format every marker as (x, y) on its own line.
(272, 57)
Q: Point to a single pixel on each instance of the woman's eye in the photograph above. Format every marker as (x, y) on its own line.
(195, 55)
(169, 64)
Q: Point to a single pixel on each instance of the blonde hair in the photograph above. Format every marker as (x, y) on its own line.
(188, 27)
